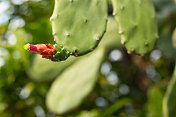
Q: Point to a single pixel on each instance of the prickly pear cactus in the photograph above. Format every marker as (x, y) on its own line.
(137, 24)
(78, 25)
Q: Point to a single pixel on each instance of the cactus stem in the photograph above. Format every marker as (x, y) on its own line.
(122, 42)
(91, 49)
(67, 34)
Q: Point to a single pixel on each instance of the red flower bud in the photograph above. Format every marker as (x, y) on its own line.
(46, 50)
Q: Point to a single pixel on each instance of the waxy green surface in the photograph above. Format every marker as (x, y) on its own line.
(78, 25)
(137, 24)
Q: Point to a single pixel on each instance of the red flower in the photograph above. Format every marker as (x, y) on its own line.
(46, 50)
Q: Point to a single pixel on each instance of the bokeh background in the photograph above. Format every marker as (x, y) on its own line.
(127, 86)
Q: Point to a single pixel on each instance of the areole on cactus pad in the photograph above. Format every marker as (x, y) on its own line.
(48, 51)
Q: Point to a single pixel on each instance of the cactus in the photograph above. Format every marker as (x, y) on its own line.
(79, 29)
(42, 69)
(137, 24)
(61, 54)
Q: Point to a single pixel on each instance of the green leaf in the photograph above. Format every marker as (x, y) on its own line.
(169, 101)
(154, 106)
(166, 46)
(70, 89)
(116, 106)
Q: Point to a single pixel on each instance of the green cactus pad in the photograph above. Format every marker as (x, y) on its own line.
(111, 38)
(78, 25)
(73, 86)
(45, 70)
(137, 24)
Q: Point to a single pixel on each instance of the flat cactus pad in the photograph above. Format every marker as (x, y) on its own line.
(78, 25)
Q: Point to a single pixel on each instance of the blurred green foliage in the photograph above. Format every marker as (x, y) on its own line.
(154, 105)
(169, 102)
(127, 85)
